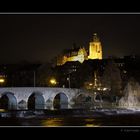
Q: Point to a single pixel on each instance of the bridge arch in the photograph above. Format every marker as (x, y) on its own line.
(36, 101)
(60, 101)
(98, 98)
(82, 101)
(79, 100)
(8, 101)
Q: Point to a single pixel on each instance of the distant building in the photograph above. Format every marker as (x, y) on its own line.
(81, 54)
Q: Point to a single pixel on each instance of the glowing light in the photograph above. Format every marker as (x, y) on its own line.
(2, 80)
(91, 84)
(98, 88)
(53, 81)
(2, 110)
(124, 71)
(104, 89)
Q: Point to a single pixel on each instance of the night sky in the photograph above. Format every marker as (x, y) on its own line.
(40, 38)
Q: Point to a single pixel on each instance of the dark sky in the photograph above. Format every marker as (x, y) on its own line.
(42, 37)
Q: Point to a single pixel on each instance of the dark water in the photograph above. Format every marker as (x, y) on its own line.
(92, 119)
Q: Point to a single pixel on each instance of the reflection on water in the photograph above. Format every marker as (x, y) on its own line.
(50, 122)
(90, 122)
(69, 122)
(97, 118)
(2, 110)
(53, 122)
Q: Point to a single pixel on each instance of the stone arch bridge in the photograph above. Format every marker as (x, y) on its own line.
(16, 98)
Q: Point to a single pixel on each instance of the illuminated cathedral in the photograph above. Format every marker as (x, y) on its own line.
(80, 54)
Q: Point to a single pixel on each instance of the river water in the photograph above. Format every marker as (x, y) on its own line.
(96, 118)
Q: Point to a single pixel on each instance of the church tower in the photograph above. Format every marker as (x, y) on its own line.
(95, 48)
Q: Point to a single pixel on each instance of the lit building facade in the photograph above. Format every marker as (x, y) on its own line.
(94, 52)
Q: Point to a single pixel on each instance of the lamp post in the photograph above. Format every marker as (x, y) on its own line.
(34, 79)
(69, 80)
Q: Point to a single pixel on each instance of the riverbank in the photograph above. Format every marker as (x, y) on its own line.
(65, 113)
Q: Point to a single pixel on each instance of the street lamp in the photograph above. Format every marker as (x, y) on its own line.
(2, 81)
(53, 81)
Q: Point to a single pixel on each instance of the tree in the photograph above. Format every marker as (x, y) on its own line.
(112, 78)
(44, 74)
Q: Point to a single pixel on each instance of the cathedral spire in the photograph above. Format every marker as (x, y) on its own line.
(95, 48)
(95, 38)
